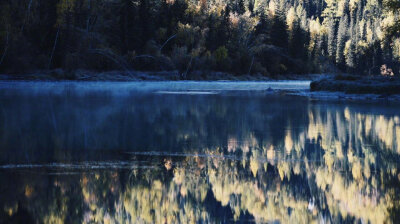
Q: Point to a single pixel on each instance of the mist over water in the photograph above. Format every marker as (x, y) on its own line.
(184, 152)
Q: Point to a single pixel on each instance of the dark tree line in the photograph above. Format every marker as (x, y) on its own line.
(265, 37)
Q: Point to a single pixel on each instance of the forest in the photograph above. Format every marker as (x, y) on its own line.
(263, 37)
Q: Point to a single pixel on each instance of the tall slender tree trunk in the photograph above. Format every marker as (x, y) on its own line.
(251, 65)
(188, 67)
(54, 48)
(170, 38)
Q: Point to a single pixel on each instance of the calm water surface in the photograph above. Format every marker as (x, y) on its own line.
(189, 152)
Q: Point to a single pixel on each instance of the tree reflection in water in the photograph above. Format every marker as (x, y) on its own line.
(188, 159)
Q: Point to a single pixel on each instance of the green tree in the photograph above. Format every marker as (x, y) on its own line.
(350, 55)
(279, 35)
(341, 40)
(331, 26)
(393, 30)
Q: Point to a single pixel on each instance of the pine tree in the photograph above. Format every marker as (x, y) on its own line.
(240, 7)
(331, 38)
(330, 10)
(350, 54)
(297, 42)
(394, 29)
(263, 25)
(315, 39)
(279, 35)
(251, 5)
(291, 18)
(341, 40)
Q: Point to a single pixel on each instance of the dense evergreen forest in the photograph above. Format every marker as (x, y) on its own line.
(265, 37)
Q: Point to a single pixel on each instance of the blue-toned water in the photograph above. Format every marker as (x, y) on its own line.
(202, 152)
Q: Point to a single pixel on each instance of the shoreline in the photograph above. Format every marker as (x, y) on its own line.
(321, 87)
(349, 84)
(127, 76)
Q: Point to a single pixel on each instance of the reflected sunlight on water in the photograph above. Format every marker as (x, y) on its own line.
(170, 158)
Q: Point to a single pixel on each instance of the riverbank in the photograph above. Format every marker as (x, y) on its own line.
(349, 84)
(84, 75)
(350, 87)
(324, 86)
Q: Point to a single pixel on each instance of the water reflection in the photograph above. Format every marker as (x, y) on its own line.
(151, 158)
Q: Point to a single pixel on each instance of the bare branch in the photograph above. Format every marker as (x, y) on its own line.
(112, 57)
(144, 56)
(251, 65)
(172, 37)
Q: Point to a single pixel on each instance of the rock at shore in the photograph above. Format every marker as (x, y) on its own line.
(358, 84)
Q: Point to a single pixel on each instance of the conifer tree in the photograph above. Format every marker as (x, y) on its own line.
(341, 40)
(240, 7)
(279, 35)
(331, 26)
(350, 54)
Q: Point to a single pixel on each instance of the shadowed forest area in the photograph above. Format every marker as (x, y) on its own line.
(263, 37)
(287, 111)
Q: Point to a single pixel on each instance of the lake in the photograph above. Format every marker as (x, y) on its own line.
(194, 152)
